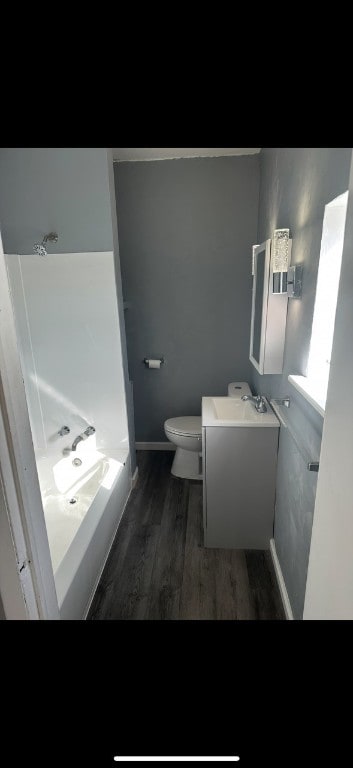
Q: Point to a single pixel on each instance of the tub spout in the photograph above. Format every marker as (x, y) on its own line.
(89, 431)
(76, 442)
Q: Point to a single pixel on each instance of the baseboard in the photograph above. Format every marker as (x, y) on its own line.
(134, 478)
(281, 582)
(155, 446)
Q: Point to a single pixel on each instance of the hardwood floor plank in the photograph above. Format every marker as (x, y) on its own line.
(240, 580)
(267, 603)
(169, 561)
(190, 590)
(207, 586)
(130, 596)
(157, 487)
(226, 585)
(104, 597)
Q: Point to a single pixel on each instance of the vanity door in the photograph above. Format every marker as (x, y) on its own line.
(240, 481)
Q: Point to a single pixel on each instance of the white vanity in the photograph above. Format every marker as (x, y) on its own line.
(239, 473)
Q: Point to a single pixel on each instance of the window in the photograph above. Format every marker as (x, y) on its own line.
(314, 385)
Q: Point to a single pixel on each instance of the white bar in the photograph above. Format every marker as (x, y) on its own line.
(280, 579)
(234, 758)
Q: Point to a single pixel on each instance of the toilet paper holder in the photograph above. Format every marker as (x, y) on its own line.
(147, 360)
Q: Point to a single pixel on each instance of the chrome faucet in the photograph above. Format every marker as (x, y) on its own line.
(89, 431)
(258, 400)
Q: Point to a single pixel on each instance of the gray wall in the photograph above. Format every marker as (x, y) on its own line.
(185, 229)
(64, 190)
(295, 186)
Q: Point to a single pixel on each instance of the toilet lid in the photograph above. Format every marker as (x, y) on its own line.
(184, 425)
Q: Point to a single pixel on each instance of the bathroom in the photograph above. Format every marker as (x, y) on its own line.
(127, 290)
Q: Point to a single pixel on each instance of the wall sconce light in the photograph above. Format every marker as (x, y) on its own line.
(281, 250)
(286, 279)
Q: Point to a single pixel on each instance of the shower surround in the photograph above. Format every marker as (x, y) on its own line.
(68, 328)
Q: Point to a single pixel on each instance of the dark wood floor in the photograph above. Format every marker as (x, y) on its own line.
(159, 569)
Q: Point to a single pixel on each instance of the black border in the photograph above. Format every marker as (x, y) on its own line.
(85, 691)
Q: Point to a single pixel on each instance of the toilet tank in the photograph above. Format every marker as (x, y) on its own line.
(238, 389)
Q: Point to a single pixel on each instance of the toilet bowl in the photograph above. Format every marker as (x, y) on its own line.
(186, 433)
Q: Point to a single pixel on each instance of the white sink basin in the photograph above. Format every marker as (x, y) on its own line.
(231, 412)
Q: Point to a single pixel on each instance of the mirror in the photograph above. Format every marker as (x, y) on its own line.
(268, 315)
(259, 303)
(258, 290)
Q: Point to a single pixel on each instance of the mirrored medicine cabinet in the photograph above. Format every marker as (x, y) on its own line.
(268, 315)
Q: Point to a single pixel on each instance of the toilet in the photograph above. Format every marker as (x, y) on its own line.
(186, 433)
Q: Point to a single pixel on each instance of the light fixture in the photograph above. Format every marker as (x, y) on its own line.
(294, 281)
(280, 256)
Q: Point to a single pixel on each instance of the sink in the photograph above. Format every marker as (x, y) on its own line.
(227, 408)
(231, 412)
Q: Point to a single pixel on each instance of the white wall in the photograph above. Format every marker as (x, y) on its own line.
(329, 589)
(68, 328)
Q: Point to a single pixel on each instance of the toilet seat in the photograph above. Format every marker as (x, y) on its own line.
(189, 426)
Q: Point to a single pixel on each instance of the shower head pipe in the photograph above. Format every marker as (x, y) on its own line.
(40, 248)
(52, 237)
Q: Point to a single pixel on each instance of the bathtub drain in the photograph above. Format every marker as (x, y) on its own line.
(73, 500)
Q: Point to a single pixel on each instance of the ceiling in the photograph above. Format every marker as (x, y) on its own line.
(121, 154)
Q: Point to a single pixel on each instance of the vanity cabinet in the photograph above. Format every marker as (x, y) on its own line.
(239, 474)
(268, 315)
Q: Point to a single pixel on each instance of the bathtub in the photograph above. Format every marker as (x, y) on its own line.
(83, 506)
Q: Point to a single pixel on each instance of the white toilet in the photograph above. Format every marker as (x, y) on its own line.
(186, 433)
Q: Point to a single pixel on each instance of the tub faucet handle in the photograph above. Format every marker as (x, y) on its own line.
(89, 431)
(64, 431)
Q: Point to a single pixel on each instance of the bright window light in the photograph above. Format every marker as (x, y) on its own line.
(326, 296)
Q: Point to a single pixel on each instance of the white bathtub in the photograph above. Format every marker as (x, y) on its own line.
(82, 507)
